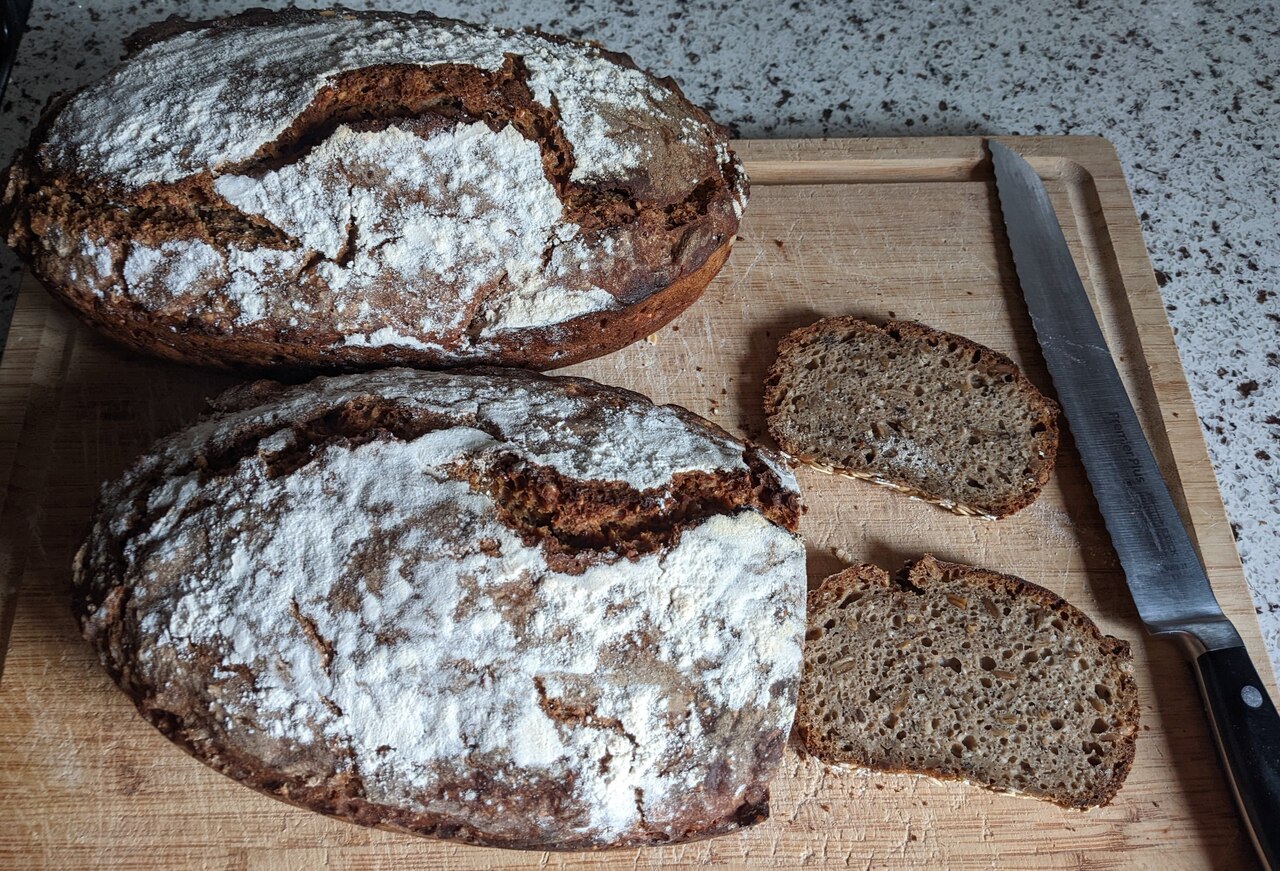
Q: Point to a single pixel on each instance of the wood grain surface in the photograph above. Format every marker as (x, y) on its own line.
(901, 228)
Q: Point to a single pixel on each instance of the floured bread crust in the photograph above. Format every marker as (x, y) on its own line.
(497, 608)
(344, 189)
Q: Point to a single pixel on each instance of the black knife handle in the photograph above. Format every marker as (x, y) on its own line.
(1247, 727)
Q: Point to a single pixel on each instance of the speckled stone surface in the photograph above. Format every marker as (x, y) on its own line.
(1189, 92)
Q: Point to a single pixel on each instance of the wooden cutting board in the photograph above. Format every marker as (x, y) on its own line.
(902, 228)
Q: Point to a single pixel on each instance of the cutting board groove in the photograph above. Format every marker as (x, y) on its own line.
(904, 228)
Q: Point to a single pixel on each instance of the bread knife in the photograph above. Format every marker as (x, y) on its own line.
(1165, 575)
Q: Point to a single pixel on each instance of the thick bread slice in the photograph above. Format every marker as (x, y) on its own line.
(926, 412)
(498, 608)
(965, 674)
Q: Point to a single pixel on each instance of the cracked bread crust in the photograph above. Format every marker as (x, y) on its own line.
(494, 607)
(419, 191)
(960, 673)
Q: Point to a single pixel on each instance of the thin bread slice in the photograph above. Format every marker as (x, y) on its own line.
(961, 673)
(929, 413)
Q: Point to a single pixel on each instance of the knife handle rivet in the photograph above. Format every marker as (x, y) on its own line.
(1252, 696)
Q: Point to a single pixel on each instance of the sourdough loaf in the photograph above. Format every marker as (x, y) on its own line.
(498, 608)
(347, 189)
(930, 413)
(966, 674)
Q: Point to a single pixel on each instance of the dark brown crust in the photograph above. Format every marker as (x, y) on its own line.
(1047, 440)
(581, 338)
(683, 239)
(916, 574)
(330, 801)
(101, 604)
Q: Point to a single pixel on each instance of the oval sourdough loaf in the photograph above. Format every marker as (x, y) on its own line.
(499, 608)
(354, 189)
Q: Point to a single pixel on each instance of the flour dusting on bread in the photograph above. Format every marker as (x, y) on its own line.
(359, 581)
(136, 129)
(438, 688)
(486, 219)
(351, 190)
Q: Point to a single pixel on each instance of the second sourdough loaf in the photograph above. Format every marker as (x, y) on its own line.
(499, 608)
(344, 189)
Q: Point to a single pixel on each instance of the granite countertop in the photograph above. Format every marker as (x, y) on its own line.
(1187, 90)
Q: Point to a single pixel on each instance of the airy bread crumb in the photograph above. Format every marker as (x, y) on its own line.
(928, 413)
(960, 673)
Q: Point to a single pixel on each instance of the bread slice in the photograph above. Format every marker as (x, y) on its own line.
(925, 412)
(965, 674)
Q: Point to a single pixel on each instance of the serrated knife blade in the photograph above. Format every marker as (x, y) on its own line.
(1166, 578)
